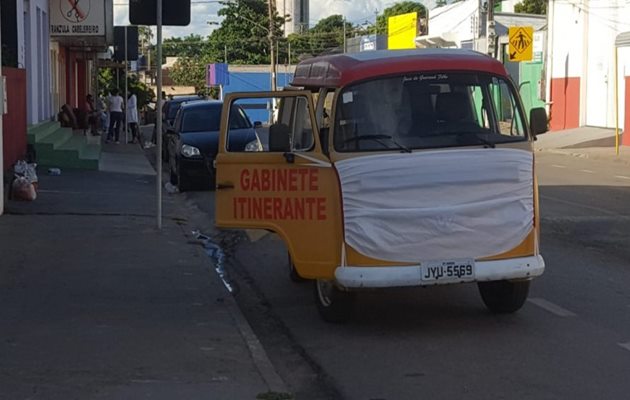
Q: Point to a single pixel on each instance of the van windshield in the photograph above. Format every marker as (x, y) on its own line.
(428, 110)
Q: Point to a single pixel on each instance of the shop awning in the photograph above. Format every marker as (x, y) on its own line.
(623, 40)
(441, 41)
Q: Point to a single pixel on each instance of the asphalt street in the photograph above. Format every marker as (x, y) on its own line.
(570, 341)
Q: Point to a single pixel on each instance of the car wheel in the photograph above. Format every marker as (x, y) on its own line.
(293, 274)
(504, 297)
(334, 305)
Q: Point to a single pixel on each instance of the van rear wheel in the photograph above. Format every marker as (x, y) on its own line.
(503, 297)
(334, 305)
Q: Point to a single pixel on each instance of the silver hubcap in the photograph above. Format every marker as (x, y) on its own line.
(325, 290)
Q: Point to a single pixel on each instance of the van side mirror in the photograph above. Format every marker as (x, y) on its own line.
(279, 138)
(257, 124)
(538, 121)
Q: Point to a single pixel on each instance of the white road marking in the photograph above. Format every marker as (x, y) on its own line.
(622, 177)
(551, 307)
(625, 345)
(588, 171)
(558, 166)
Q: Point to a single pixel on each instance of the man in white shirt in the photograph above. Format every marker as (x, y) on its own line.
(115, 116)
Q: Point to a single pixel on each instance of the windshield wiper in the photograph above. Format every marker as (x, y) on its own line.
(378, 139)
(479, 138)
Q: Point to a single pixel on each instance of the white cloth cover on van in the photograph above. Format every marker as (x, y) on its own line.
(437, 205)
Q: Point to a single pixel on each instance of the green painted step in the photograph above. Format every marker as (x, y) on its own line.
(38, 132)
(60, 147)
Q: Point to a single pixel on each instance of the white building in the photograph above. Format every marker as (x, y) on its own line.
(34, 56)
(297, 13)
(581, 64)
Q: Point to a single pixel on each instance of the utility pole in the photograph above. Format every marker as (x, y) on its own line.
(158, 121)
(125, 130)
(344, 34)
(272, 47)
(2, 111)
(490, 31)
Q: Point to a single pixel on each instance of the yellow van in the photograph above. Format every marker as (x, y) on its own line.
(391, 169)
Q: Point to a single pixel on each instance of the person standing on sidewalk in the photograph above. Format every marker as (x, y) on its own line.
(132, 117)
(159, 113)
(115, 116)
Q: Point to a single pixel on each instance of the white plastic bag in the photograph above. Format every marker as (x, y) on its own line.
(26, 170)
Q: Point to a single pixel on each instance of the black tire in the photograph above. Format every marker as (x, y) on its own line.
(503, 297)
(334, 305)
(293, 274)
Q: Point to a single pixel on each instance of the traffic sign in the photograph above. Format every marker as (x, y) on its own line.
(521, 43)
(174, 12)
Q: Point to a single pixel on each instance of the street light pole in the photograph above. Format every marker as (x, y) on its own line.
(158, 119)
(272, 49)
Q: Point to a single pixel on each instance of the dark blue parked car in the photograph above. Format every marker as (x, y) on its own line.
(193, 142)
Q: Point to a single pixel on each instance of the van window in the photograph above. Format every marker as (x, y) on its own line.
(427, 110)
(281, 124)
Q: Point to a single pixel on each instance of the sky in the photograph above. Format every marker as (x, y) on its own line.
(355, 11)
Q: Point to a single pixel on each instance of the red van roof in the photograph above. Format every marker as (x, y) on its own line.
(342, 69)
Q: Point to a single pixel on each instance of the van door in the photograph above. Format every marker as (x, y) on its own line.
(287, 186)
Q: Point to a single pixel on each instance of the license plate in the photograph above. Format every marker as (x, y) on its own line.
(448, 271)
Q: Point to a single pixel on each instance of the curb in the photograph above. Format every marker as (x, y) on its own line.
(577, 154)
(262, 362)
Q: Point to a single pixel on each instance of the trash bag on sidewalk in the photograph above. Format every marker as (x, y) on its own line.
(28, 171)
(23, 189)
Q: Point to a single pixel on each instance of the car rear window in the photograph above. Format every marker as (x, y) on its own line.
(201, 119)
(173, 106)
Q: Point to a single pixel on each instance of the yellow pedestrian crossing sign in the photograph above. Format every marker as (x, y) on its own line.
(521, 43)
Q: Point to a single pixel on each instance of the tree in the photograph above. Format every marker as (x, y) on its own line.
(188, 46)
(398, 9)
(244, 33)
(109, 77)
(243, 36)
(191, 71)
(531, 7)
(325, 37)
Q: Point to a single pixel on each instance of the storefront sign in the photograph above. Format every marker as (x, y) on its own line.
(77, 18)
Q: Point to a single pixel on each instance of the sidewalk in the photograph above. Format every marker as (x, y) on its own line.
(584, 142)
(98, 304)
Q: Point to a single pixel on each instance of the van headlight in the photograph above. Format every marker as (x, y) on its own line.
(254, 145)
(190, 151)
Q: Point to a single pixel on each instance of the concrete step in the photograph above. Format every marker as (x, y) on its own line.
(38, 132)
(55, 139)
(65, 149)
(90, 152)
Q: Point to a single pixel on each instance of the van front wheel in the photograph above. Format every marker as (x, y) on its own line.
(504, 296)
(333, 304)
